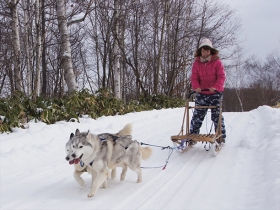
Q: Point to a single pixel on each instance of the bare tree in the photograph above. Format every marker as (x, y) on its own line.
(116, 33)
(26, 4)
(132, 47)
(273, 65)
(178, 47)
(13, 6)
(240, 75)
(162, 33)
(66, 59)
(38, 48)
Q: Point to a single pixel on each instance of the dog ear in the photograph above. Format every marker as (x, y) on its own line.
(77, 132)
(71, 135)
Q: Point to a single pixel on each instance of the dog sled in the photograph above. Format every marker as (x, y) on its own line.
(185, 140)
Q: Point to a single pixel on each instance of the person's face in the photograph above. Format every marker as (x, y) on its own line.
(205, 53)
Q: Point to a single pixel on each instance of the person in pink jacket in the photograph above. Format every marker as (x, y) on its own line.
(207, 73)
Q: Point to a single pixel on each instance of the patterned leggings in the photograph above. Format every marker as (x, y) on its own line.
(199, 114)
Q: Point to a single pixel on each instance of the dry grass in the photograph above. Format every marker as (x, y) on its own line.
(277, 106)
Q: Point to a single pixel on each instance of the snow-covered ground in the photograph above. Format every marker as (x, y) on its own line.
(245, 175)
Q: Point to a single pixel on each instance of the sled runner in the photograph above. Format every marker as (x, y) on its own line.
(184, 141)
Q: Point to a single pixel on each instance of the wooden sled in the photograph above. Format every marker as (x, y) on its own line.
(214, 140)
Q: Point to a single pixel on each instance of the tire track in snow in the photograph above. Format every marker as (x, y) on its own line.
(48, 182)
(186, 169)
(166, 181)
(182, 178)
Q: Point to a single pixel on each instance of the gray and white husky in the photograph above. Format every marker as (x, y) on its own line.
(80, 167)
(100, 156)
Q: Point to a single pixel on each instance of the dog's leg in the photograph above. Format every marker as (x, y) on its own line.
(93, 174)
(105, 184)
(123, 174)
(139, 173)
(113, 173)
(134, 162)
(77, 175)
(100, 178)
(138, 170)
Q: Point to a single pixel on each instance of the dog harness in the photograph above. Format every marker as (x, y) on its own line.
(105, 136)
(102, 137)
(91, 163)
(82, 165)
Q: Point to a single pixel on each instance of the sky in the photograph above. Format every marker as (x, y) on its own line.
(245, 175)
(260, 21)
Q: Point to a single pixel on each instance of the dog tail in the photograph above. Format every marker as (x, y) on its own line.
(127, 130)
(146, 152)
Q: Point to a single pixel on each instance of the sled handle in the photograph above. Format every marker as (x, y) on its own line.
(193, 91)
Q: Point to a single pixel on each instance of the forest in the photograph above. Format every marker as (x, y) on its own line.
(134, 48)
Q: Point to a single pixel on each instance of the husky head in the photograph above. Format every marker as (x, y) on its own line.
(69, 150)
(81, 148)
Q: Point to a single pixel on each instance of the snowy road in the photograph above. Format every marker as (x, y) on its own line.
(245, 175)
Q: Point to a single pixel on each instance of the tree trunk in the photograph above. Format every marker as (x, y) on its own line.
(38, 48)
(15, 30)
(66, 60)
(26, 4)
(156, 74)
(44, 61)
(117, 76)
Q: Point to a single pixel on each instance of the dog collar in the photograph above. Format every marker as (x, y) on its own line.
(82, 163)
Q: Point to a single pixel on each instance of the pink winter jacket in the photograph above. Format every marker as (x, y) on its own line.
(207, 75)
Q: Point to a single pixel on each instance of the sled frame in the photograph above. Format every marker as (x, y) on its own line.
(187, 136)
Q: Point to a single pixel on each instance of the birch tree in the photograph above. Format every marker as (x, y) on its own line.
(26, 4)
(63, 24)
(66, 59)
(43, 56)
(38, 48)
(13, 6)
(117, 76)
(238, 75)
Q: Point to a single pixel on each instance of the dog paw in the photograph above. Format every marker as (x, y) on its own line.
(90, 195)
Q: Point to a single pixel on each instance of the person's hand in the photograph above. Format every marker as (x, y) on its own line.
(198, 90)
(212, 89)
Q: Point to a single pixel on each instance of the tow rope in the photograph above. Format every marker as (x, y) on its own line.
(162, 148)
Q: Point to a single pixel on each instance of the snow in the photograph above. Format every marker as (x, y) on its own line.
(78, 17)
(244, 175)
